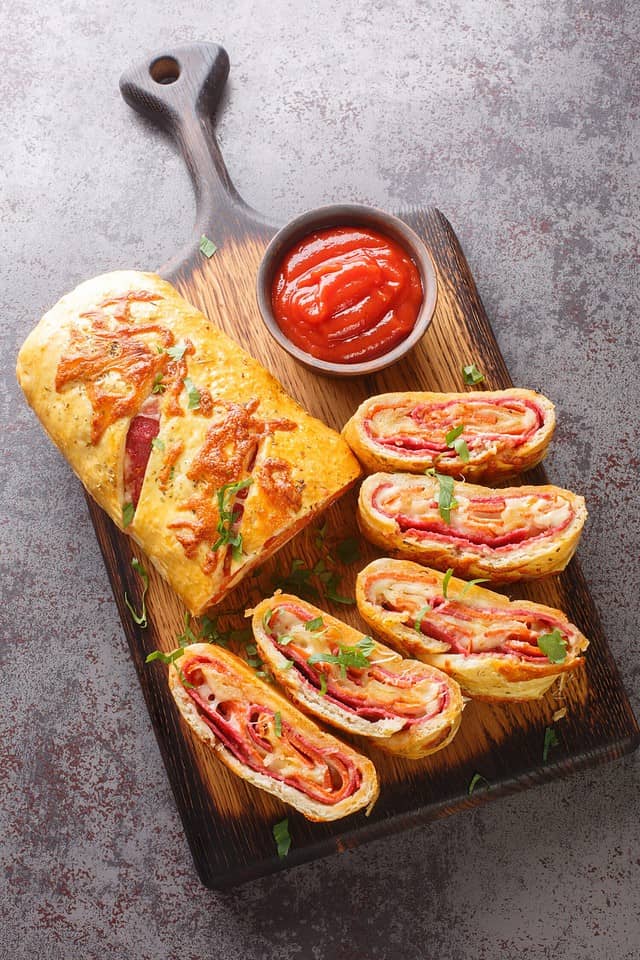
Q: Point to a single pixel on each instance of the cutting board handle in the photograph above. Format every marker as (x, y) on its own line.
(179, 89)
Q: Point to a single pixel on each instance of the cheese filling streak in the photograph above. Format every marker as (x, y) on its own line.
(496, 521)
(265, 743)
(470, 628)
(385, 689)
(422, 427)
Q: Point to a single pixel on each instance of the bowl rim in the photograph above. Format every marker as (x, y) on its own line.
(319, 218)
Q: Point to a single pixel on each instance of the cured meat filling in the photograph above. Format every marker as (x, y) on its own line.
(422, 427)
(386, 688)
(469, 628)
(498, 520)
(264, 741)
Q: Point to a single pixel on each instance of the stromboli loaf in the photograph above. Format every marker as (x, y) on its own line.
(485, 641)
(405, 707)
(160, 414)
(505, 431)
(265, 740)
(506, 534)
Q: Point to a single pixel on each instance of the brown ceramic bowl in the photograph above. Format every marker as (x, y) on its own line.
(347, 215)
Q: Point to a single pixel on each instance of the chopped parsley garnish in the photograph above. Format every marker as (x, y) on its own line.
(477, 779)
(157, 443)
(554, 646)
(288, 665)
(277, 724)
(226, 518)
(266, 620)
(356, 657)
(348, 550)
(187, 636)
(140, 618)
(445, 582)
(158, 385)
(446, 499)
(421, 615)
(193, 394)
(550, 740)
(170, 658)
(320, 535)
(207, 247)
(300, 580)
(453, 435)
(177, 352)
(472, 583)
(314, 625)
(284, 640)
(471, 375)
(128, 511)
(282, 838)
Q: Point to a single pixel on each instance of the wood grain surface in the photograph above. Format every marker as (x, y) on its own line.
(228, 823)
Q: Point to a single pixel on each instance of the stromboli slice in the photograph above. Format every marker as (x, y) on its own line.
(506, 534)
(265, 740)
(505, 432)
(406, 707)
(182, 437)
(485, 641)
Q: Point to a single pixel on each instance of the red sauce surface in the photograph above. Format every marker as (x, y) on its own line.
(346, 294)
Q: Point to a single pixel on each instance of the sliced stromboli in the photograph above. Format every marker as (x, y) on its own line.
(513, 533)
(486, 436)
(353, 682)
(263, 739)
(185, 440)
(496, 648)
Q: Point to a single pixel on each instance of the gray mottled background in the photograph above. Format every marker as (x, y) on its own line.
(520, 120)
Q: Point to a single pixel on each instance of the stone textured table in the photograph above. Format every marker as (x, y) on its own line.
(520, 121)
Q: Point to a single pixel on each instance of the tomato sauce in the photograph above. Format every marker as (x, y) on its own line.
(346, 294)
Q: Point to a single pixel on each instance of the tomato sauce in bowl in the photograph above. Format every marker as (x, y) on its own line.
(346, 289)
(346, 294)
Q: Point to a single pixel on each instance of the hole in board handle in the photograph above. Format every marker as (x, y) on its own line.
(165, 70)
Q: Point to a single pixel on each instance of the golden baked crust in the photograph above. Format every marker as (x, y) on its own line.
(403, 706)
(506, 432)
(485, 641)
(259, 725)
(505, 534)
(126, 344)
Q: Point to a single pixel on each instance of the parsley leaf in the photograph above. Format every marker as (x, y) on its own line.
(453, 434)
(128, 511)
(461, 448)
(445, 582)
(550, 740)
(446, 499)
(157, 443)
(314, 625)
(158, 385)
(554, 646)
(277, 723)
(421, 615)
(227, 518)
(477, 779)
(471, 375)
(472, 583)
(177, 352)
(170, 658)
(349, 550)
(356, 657)
(282, 837)
(193, 394)
(140, 618)
(187, 636)
(207, 247)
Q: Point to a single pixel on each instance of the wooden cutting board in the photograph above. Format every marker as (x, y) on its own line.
(228, 823)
